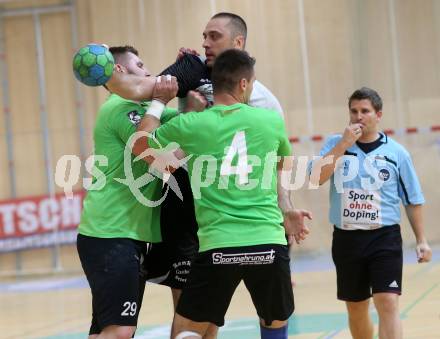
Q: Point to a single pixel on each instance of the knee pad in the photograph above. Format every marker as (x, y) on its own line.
(187, 334)
(274, 333)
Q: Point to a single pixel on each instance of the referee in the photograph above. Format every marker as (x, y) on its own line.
(365, 212)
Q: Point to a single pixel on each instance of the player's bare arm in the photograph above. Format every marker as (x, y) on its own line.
(132, 87)
(293, 218)
(164, 90)
(324, 168)
(415, 217)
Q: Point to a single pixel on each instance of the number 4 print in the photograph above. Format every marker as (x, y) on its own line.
(238, 147)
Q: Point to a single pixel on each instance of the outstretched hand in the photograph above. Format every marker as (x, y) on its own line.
(294, 225)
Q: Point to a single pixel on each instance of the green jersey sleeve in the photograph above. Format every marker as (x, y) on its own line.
(285, 148)
(128, 117)
(168, 115)
(172, 131)
(125, 120)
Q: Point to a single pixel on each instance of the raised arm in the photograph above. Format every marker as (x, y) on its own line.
(131, 87)
(164, 90)
(324, 168)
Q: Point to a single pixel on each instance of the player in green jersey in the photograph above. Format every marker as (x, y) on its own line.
(115, 226)
(233, 173)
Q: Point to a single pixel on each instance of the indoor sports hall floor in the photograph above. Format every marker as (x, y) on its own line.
(60, 307)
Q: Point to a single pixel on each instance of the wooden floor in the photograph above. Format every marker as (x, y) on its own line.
(60, 307)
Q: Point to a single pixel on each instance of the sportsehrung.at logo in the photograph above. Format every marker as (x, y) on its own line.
(255, 258)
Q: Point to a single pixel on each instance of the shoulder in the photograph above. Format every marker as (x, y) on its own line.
(396, 149)
(115, 103)
(262, 97)
(267, 112)
(259, 88)
(333, 139)
(115, 107)
(190, 117)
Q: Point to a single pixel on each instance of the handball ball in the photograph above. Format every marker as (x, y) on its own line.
(93, 65)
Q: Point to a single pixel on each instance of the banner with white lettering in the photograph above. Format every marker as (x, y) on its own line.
(39, 221)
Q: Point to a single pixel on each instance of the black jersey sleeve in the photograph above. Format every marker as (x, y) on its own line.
(188, 70)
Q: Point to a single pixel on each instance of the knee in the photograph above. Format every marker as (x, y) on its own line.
(120, 332)
(358, 310)
(274, 324)
(386, 303)
(211, 332)
(277, 330)
(188, 335)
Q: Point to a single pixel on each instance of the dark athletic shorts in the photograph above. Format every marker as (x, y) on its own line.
(112, 267)
(169, 262)
(367, 262)
(215, 274)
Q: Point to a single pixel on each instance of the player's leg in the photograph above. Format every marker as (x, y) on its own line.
(386, 277)
(268, 281)
(179, 234)
(184, 328)
(112, 267)
(359, 320)
(210, 332)
(176, 293)
(117, 332)
(387, 305)
(353, 281)
(206, 296)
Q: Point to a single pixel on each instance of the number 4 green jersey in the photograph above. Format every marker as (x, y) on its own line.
(232, 169)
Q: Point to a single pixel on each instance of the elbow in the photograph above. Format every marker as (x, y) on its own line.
(140, 145)
(317, 181)
(322, 181)
(142, 148)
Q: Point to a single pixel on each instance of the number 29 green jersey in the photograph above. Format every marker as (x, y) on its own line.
(110, 209)
(232, 166)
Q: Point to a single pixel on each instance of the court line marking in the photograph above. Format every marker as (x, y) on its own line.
(419, 299)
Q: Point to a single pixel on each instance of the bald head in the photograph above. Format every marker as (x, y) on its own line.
(236, 24)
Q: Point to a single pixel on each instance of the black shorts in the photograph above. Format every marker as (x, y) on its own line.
(169, 262)
(215, 274)
(367, 262)
(112, 268)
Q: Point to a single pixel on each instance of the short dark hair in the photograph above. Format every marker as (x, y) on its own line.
(237, 23)
(367, 93)
(119, 51)
(229, 68)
